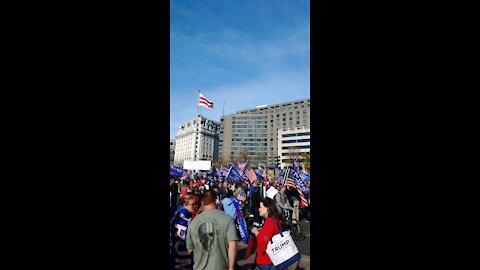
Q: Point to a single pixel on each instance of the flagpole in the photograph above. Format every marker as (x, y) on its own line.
(198, 104)
(196, 128)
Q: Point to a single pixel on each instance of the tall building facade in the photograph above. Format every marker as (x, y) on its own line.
(245, 138)
(197, 139)
(283, 116)
(293, 144)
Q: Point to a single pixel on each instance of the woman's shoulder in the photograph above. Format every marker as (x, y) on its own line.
(270, 221)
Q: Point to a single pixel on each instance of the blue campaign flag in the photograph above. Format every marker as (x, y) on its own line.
(224, 173)
(230, 165)
(296, 164)
(216, 172)
(299, 181)
(304, 176)
(259, 174)
(175, 171)
(234, 175)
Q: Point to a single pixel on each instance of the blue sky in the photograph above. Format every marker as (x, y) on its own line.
(244, 52)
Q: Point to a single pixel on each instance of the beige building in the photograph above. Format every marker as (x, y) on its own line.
(197, 139)
(263, 131)
(245, 138)
(292, 143)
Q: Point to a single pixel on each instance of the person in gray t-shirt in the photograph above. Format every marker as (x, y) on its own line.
(212, 237)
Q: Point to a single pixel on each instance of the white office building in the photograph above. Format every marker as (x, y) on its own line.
(197, 139)
(291, 144)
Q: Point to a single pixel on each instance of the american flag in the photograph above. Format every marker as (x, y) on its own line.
(203, 101)
(303, 199)
(252, 176)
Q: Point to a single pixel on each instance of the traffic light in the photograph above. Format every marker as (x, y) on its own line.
(277, 161)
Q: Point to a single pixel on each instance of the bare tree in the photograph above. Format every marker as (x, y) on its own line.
(244, 155)
(293, 154)
(263, 158)
(306, 160)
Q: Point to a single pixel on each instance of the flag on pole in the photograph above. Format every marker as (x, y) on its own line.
(304, 176)
(234, 175)
(251, 174)
(296, 164)
(224, 172)
(285, 176)
(175, 171)
(299, 181)
(303, 199)
(259, 175)
(241, 166)
(203, 101)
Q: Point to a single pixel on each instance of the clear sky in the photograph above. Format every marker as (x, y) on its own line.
(244, 52)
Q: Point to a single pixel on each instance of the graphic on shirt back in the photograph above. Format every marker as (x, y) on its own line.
(206, 233)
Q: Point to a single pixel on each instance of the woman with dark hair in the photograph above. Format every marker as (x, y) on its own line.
(268, 211)
(180, 258)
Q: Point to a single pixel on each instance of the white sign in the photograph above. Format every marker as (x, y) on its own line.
(203, 165)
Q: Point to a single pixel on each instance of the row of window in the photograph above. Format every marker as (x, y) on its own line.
(251, 117)
(249, 135)
(256, 150)
(291, 123)
(248, 122)
(277, 107)
(296, 134)
(249, 126)
(249, 140)
(295, 141)
(248, 144)
(261, 131)
(296, 147)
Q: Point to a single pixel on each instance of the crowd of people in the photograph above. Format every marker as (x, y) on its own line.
(210, 216)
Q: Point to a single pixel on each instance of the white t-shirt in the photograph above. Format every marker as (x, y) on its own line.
(271, 192)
